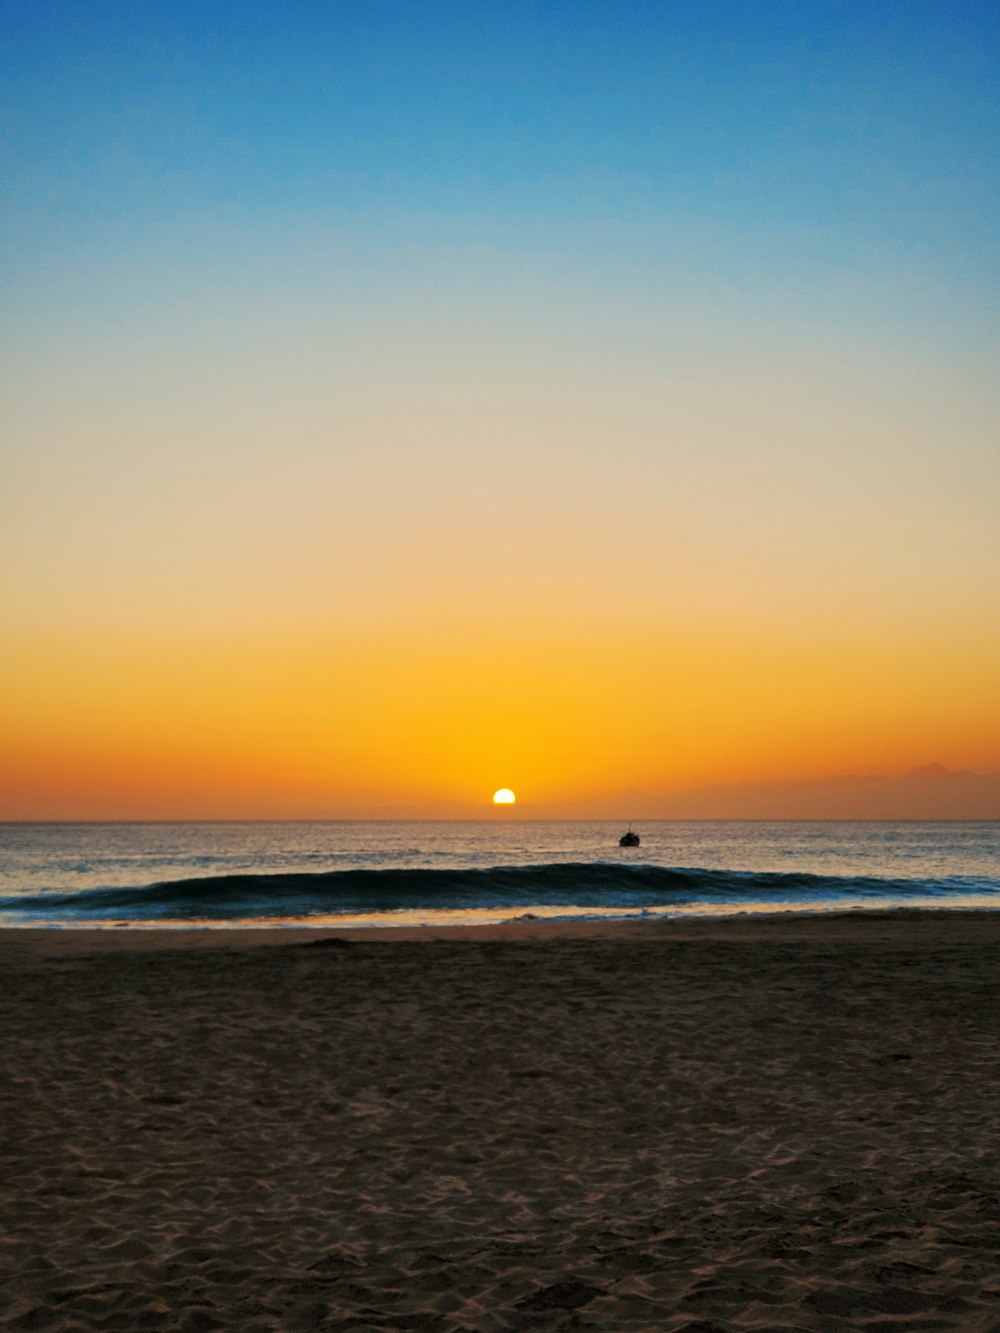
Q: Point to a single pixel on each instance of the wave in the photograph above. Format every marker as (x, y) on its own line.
(598, 885)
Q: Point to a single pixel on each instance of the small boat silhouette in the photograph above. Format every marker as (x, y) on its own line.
(629, 839)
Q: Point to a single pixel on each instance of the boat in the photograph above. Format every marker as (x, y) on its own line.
(629, 839)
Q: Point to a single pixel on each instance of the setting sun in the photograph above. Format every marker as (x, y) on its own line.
(504, 797)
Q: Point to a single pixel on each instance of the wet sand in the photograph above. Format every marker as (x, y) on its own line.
(771, 1124)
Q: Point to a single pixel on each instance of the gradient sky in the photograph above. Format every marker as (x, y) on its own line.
(403, 400)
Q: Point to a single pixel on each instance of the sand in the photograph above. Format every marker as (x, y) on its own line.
(778, 1124)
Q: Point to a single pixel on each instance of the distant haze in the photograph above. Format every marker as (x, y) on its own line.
(926, 793)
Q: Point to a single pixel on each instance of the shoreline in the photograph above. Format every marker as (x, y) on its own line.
(822, 927)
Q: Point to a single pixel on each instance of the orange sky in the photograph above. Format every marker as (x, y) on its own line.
(600, 589)
(431, 722)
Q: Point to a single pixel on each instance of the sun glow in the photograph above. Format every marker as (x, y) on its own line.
(504, 797)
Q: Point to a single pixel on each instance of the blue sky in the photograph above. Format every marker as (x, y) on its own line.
(809, 165)
(848, 127)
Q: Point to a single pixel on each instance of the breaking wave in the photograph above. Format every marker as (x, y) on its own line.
(602, 887)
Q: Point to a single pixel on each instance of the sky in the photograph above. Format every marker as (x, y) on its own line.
(403, 401)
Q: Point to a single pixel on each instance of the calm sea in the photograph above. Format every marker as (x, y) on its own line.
(385, 873)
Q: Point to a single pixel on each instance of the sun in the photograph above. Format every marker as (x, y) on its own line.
(504, 797)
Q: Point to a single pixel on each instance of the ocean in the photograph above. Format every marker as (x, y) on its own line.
(348, 874)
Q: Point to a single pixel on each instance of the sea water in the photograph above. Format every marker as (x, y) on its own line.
(391, 873)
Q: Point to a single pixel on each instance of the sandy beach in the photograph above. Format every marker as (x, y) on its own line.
(756, 1124)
